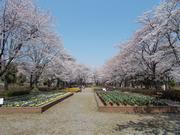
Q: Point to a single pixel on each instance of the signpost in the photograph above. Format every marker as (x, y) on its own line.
(1, 101)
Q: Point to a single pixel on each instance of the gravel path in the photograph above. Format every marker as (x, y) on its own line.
(78, 115)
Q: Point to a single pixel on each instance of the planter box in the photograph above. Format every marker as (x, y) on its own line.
(134, 109)
(39, 109)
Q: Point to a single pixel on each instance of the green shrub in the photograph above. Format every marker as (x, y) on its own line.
(168, 94)
(149, 92)
(10, 75)
(15, 91)
(171, 94)
(172, 83)
(46, 89)
(21, 79)
(97, 89)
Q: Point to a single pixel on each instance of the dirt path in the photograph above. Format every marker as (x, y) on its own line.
(78, 115)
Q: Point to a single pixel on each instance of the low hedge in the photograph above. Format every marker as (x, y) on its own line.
(15, 91)
(97, 89)
(46, 89)
(149, 92)
(171, 94)
(168, 94)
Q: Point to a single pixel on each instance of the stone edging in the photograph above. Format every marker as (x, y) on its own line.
(135, 109)
(40, 109)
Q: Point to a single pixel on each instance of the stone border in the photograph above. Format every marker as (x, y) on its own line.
(134, 109)
(40, 109)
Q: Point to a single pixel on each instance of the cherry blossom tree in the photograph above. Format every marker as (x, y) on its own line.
(18, 25)
(39, 54)
(151, 56)
(60, 68)
(25, 32)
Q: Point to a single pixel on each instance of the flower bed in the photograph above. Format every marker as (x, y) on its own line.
(31, 100)
(33, 103)
(121, 98)
(115, 101)
(72, 89)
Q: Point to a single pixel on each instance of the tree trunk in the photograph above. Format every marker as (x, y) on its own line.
(125, 83)
(6, 85)
(36, 82)
(173, 49)
(58, 83)
(31, 81)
